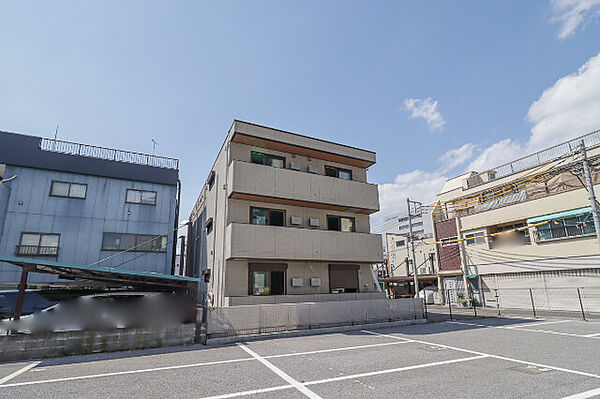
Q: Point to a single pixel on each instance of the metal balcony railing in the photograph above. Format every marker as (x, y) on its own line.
(590, 140)
(85, 150)
(36, 250)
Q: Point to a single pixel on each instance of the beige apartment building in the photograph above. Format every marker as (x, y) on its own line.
(284, 217)
(525, 224)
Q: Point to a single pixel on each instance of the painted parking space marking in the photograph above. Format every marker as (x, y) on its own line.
(126, 372)
(300, 387)
(583, 395)
(542, 323)
(18, 372)
(349, 377)
(509, 359)
(526, 329)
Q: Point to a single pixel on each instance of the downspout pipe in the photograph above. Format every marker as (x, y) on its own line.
(176, 227)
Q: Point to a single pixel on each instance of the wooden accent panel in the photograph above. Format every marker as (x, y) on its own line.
(294, 149)
(308, 204)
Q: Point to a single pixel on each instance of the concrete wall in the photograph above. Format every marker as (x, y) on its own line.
(35, 346)
(26, 206)
(273, 242)
(249, 178)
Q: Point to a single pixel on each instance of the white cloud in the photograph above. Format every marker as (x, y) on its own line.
(570, 108)
(457, 156)
(567, 109)
(572, 14)
(426, 109)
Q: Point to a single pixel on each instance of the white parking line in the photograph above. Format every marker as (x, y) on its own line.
(418, 366)
(542, 322)
(116, 373)
(346, 377)
(583, 373)
(18, 372)
(584, 395)
(84, 377)
(300, 387)
(592, 335)
(522, 329)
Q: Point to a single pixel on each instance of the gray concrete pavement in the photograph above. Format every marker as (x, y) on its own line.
(499, 358)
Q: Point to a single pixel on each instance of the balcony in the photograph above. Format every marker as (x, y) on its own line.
(266, 183)
(36, 250)
(249, 241)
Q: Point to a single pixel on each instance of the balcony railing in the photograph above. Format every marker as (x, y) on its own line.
(590, 140)
(36, 250)
(85, 150)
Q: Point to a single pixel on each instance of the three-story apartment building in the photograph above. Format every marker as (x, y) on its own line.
(282, 214)
(84, 205)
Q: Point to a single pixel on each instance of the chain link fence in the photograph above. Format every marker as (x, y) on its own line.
(565, 302)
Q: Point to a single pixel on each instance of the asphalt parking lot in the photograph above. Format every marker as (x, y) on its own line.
(495, 358)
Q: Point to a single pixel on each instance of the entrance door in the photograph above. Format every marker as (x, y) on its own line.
(343, 278)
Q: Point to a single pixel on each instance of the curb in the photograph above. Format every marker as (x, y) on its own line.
(312, 331)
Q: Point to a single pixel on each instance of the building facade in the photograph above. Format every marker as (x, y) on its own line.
(525, 224)
(284, 215)
(84, 205)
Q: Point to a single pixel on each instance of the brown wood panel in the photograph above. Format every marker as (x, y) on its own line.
(295, 149)
(308, 204)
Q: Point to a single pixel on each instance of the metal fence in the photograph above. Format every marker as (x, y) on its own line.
(257, 319)
(568, 302)
(85, 150)
(591, 139)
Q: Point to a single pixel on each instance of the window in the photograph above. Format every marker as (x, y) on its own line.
(210, 181)
(417, 224)
(338, 172)
(269, 217)
(68, 190)
(510, 235)
(140, 197)
(266, 278)
(404, 219)
(469, 240)
(38, 244)
(267, 159)
(446, 242)
(139, 242)
(340, 223)
(209, 225)
(568, 227)
(400, 243)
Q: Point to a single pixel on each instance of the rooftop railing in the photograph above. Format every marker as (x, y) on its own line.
(591, 139)
(110, 154)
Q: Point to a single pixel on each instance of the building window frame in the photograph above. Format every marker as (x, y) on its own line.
(449, 241)
(470, 241)
(340, 224)
(39, 249)
(141, 192)
(334, 171)
(269, 216)
(267, 159)
(267, 270)
(54, 183)
(566, 228)
(140, 241)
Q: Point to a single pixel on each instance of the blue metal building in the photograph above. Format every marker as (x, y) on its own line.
(81, 204)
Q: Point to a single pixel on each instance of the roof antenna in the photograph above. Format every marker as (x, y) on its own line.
(154, 143)
(55, 136)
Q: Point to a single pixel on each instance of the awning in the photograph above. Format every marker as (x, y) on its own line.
(105, 274)
(559, 215)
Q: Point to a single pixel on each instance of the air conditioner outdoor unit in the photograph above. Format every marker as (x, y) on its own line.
(312, 169)
(294, 166)
(312, 222)
(315, 281)
(295, 220)
(297, 282)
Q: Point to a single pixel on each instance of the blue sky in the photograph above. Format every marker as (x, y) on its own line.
(434, 87)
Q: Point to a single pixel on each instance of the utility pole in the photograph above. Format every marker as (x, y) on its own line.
(590, 189)
(417, 205)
